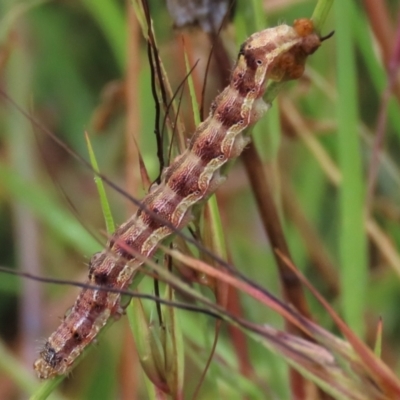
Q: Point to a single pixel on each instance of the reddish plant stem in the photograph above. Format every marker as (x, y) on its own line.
(382, 26)
(238, 337)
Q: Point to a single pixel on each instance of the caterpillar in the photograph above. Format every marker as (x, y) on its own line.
(278, 54)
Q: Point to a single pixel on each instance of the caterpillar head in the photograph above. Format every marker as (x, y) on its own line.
(290, 64)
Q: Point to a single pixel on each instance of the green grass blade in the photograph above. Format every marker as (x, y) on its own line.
(16, 371)
(105, 206)
(192, 92)
(218, 236)
(320, 13)
(352, 237)
(46, 208)
(47, 388)
(17, 11)
(378, 340)
(111, 19)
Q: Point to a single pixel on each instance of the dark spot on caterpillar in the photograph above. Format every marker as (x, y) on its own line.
(101, 278)
(185, 184)
(172, 182)
(123, 248)
(84, 329)
(77, 337)
(258, 54)
(161, 210)
(228, 119)
(251, 90)
(207, 149)
(97, 307)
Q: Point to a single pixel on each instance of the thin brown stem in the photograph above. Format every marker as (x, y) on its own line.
(316, 248)
(292, 288)
(393, 66)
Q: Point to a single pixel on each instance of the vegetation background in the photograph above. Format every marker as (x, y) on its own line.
(82, 66)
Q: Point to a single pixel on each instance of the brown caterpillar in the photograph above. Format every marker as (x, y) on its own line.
(277, 53)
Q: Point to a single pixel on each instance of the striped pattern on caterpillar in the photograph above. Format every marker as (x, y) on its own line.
(278, 54)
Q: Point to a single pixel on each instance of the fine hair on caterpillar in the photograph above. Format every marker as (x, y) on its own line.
(276, 54)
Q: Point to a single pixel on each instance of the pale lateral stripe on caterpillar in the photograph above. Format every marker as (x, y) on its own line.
(277, 53)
